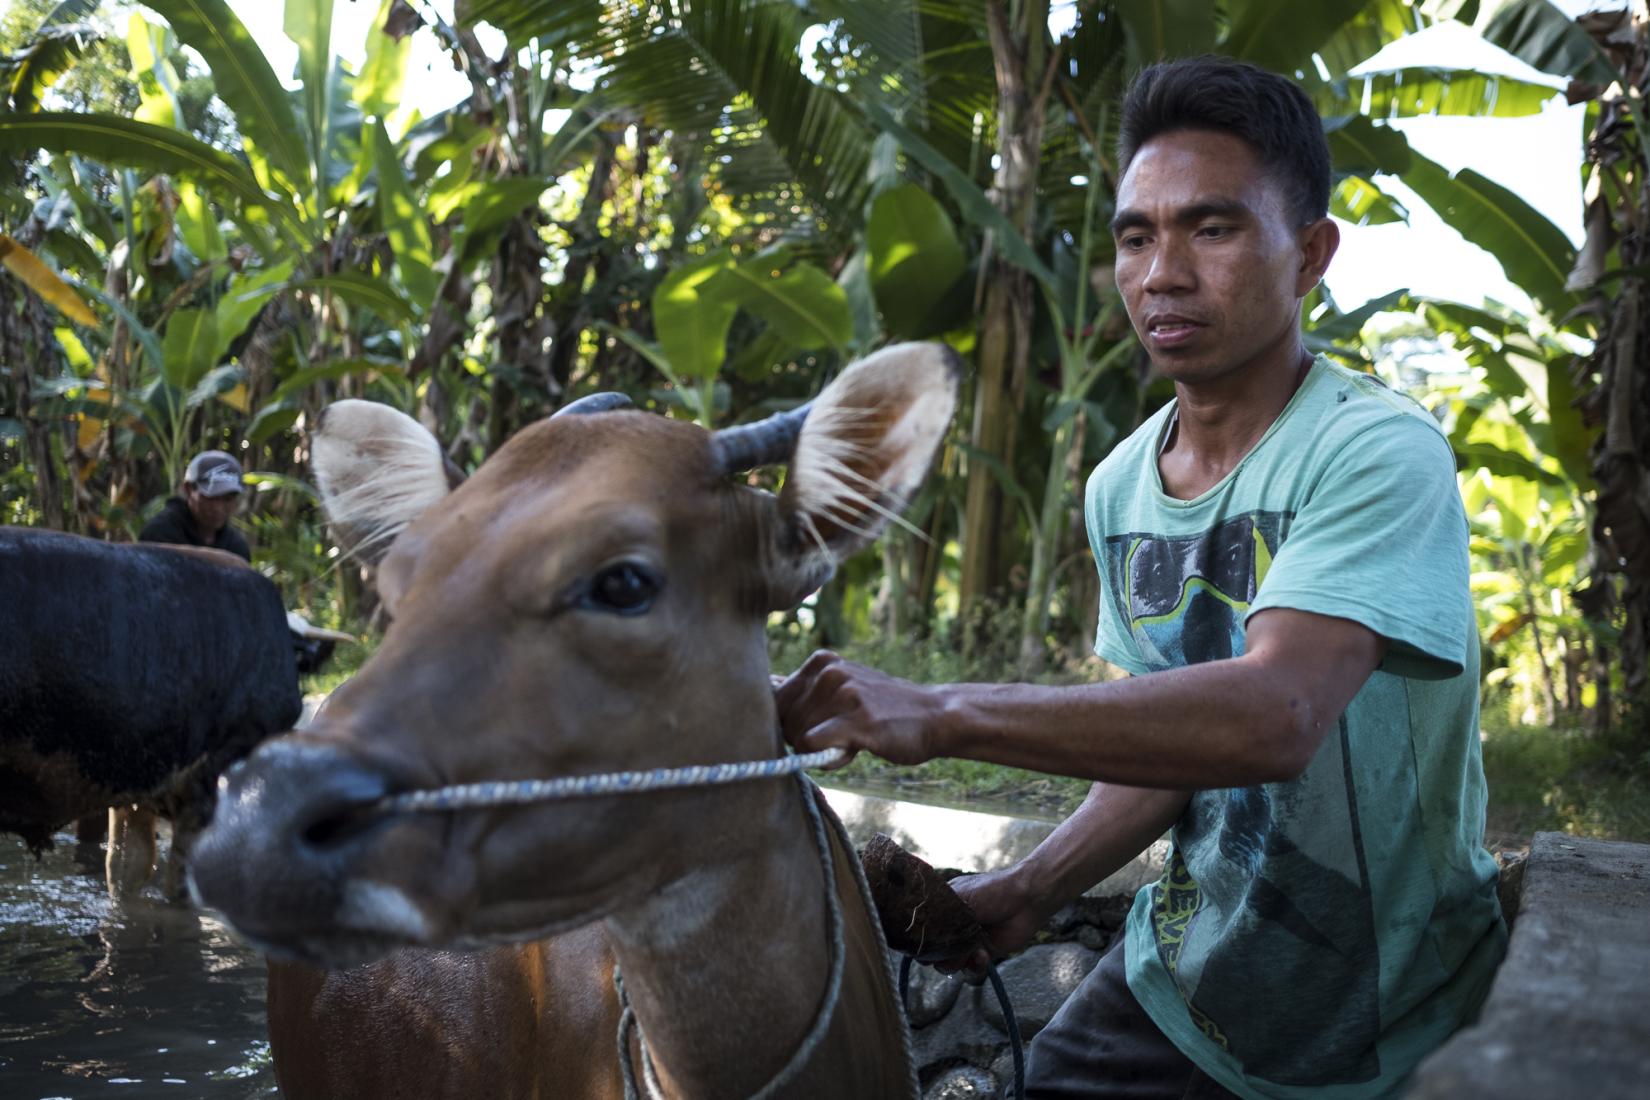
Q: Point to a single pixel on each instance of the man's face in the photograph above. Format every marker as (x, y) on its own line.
(1210, 262)
(211, 513)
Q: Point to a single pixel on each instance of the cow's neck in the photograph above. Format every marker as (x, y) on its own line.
(727, 967)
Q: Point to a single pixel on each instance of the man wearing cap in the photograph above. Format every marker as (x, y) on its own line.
(200, 517)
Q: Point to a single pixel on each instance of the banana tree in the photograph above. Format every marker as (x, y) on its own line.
(187, 303)
(1529, 543)
(694, 307)
(1603, 55)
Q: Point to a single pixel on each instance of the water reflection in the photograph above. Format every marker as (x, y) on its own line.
(969, 839)
(153, 998)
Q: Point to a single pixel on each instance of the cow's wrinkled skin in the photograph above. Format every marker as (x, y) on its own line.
(593, 599)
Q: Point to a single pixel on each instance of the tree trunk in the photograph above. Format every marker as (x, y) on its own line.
(1614, 384)
(1549, 692)
(1022, 64)
(14, 324)
(569, 309)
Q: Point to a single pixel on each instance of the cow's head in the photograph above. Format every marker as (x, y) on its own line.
(591, 600)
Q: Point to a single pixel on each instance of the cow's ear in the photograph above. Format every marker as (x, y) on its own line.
(377, 470)
(864, 451)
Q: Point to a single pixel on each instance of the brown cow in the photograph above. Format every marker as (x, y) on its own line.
(592, 600)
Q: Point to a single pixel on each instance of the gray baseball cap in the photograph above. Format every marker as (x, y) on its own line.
(214, 474)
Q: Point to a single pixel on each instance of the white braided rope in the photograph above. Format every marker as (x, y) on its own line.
(522, 792)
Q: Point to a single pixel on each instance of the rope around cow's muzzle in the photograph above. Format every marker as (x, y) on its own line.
(525, 792)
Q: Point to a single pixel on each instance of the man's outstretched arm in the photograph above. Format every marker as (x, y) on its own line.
(1233, 723)
(1112, 826)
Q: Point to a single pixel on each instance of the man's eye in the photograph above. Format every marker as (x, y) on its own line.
(1215, 232)
(1134, 242)
(624, 588)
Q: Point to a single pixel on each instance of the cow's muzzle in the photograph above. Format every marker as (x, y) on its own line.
(297, 862)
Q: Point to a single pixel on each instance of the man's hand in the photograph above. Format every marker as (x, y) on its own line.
(1008, 915)
(833, 703)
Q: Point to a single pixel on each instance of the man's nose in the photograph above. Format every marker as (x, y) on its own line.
(1171, 268)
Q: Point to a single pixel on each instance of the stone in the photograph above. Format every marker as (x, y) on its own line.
(1003, 1069)
(1510, 886)
(1569, 1012)
(931, 994)
(1095, 939)
(961, 1036)
(963, 1083)
(1105, 913)
(1038, 982)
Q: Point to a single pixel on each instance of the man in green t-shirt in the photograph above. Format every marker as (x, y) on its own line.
(1283, 563)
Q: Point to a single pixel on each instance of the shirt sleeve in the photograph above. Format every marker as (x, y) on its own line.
(1382, 540)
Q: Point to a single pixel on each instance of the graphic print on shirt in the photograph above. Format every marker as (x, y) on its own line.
(1185, 596)
(1267, 933)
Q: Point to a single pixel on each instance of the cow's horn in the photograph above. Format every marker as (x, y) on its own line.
(760, 444)
(594, 403)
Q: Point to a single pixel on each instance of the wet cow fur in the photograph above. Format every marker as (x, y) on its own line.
(131, 674)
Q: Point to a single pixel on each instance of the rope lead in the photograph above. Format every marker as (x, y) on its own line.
(1015, 1044)
(521, 792)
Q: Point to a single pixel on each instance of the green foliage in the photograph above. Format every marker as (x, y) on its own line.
(404, 222)
(187, 352)
(378, 89)
(673, 208)
(248, 86)
(800, 303)
(693, 317)
(1534, 253)
(1539, 34)
(128, 143)
(1160, 29)
(63, 47)
(913, 258)
(1413, 92)
(1283, 36)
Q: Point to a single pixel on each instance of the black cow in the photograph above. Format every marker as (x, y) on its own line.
(131, 674)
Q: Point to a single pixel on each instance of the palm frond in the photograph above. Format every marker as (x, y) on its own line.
(685, 64)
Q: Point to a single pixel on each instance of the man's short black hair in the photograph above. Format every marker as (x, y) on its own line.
(1232, 97)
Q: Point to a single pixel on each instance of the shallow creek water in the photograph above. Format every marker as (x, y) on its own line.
(133, 1000)
(150, 999)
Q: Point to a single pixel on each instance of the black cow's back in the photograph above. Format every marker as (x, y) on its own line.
(130, 672)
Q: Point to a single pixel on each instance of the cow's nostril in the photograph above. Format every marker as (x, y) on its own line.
(341, 825)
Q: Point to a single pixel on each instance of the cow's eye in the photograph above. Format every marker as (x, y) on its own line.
(624, 588)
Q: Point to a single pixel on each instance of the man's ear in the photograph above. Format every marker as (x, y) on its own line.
(1318, 244)
(864, 451)
(377, 470)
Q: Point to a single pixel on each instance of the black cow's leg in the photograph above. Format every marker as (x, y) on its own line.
(92, 829)
(131, 857)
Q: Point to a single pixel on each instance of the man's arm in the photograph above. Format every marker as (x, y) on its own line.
(1252, 719)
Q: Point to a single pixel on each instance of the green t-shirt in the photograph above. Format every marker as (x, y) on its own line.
(1317, 937)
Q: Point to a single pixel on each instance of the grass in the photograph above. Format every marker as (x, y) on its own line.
(1563, 780)
(346, 661)
(947, 780)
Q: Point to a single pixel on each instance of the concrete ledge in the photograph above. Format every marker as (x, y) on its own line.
(1569, 1013)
